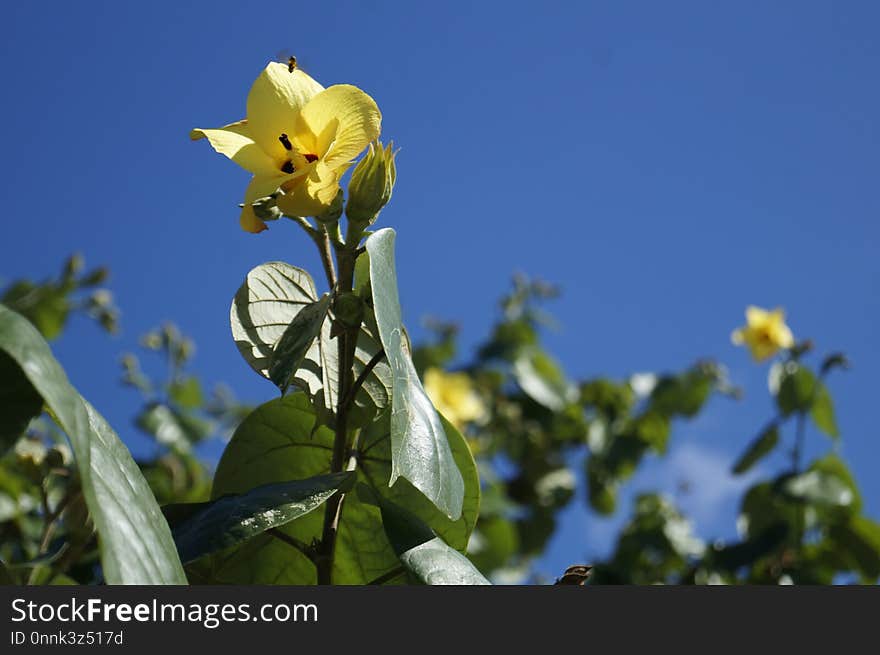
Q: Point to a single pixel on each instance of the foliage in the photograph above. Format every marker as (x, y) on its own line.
(49, 304)
(59, 522)
(350, 474)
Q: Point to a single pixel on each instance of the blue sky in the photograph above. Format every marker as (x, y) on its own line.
(665, 163)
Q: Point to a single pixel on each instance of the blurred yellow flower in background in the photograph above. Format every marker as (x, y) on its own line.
(299, 137)
(454, 396)
(765, 332)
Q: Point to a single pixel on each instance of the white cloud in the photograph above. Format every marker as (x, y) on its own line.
(712, 494)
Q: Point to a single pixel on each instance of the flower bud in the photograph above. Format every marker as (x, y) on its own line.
(266, 208)
(371, 184)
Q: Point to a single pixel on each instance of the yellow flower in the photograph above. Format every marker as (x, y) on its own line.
(454, 396)
(765, 332)
(299, 137)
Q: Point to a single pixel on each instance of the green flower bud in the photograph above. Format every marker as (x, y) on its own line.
(371, 184)
(72, 266)
(265, 208)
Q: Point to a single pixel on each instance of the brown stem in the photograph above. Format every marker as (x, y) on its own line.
(323, 242)
(347, 340)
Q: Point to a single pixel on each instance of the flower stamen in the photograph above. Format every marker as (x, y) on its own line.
(288, 167)
(285, 141)
(310, 157)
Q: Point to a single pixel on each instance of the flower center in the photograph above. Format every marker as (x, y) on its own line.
(287, 166)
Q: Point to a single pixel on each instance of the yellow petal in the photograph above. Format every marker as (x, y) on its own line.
(756, 315)
(274, 102)
(310, 196)
(784, 337)
(234, 141)
(357, 123)
(259, 187)
(249, 221)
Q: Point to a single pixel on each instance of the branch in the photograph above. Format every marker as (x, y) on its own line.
(304, 548)
(349, 399)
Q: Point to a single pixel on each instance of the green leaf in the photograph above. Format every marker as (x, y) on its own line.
(797, 385)
(653, 428)
(187, 392)
(822, 412)
(377, 466)
(834, 466)
(6, 577)
(46, 305)
(265, 305)
(428, 557)
(172, 428)
(290, 351)
(19, 402)
(135, 542)
(275, 444)
(542, 379)
(684, 394)
(760, 447)
(420, 450)
(818, 487)
(745, 553)
(159, 421)
(232, 519)
(763, 508)
(493, 543)
(860, 537)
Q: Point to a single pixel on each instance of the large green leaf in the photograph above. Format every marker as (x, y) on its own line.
(136, 544)
(19, 402)
(271, 298)
(274, 444)
(426, 556)
(760, 447)
(232, 519)
(420, 450)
